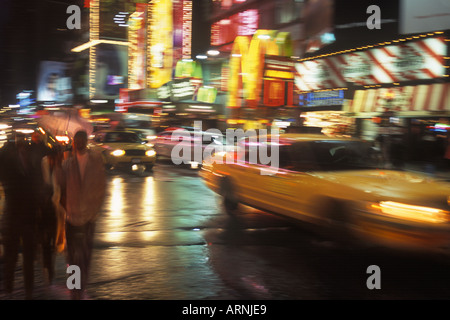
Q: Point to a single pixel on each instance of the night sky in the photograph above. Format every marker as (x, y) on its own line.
(30, 31)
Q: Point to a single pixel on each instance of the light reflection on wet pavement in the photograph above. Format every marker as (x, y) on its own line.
(149, 241)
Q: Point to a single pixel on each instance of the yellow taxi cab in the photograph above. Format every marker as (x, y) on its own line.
(121, 148)
(334, 184)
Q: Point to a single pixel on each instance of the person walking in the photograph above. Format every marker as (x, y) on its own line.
(20, 176)
(84, 187)
(52, 215)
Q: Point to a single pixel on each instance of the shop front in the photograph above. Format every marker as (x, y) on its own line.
(399, 106)
(325, 109)
(390, 85)
(414, 115)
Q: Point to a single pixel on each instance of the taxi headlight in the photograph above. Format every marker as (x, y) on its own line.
(150, 153)
(411, 212)
(118, 153)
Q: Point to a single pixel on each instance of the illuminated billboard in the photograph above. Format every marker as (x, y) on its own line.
(54, 84)
(322, 98)
(406, 61)
(136, 48)
(111, 71)
(159, 43)
(240, 24)
(249, 66)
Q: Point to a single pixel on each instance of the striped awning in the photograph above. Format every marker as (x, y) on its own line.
(406, 99)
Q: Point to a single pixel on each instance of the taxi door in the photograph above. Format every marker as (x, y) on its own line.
(288, 191)
(248, 180)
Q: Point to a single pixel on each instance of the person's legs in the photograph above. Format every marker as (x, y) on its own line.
(29, 250)
(48, 236)
(79, 241)
(11, 240)
(88, 246)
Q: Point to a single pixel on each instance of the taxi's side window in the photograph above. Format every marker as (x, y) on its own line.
(303, 159)
(285, 158)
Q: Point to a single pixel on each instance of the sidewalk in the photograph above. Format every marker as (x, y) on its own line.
(42, 290)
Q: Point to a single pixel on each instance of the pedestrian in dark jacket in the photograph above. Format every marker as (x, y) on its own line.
(19, 174)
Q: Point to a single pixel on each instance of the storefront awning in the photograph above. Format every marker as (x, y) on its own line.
(407, 100)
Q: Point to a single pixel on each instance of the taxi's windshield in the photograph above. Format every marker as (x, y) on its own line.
(330, 155)
(343, 155)
(128, 137)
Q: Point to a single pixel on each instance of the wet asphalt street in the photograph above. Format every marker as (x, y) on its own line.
(164, 236)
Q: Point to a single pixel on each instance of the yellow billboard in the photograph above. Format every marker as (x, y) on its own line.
(247, 64)
(160, 48)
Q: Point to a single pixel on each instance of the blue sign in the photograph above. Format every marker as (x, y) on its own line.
(322, 98)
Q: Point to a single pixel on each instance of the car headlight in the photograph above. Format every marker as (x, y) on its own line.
(411, 212)
(151, 137)
(150, 153)
(63, 139)
(118, 153)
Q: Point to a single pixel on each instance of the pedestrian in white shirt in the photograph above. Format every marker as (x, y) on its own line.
(84, 188)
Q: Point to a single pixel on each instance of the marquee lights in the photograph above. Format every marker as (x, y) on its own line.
(187, 28)
(419, 59)
(94, 30)
(374, 45)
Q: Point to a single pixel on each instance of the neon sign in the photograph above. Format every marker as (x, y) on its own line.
(323, 98)
(187, 29)
(247, 64)
(241, 24)
(160, 43)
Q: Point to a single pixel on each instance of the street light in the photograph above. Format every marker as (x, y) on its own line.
(213, 52)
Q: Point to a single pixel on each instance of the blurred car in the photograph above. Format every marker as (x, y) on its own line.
(5, 128)
(31, 130)
(334, 185)
(121, 148)
(190, 145)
